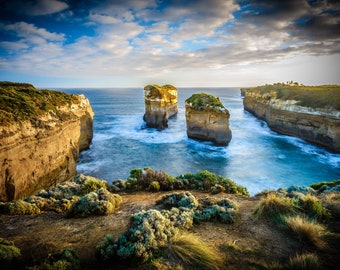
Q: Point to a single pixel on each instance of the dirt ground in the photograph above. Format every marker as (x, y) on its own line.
(49, 232)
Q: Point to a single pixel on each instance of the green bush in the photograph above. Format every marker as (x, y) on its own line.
(65, 260)
(148, 231)
(10, 255)
(330, 184)
(224, 211)
(99, 202)
(92, 184)
(19, 207)
(216, 189)
(154, 186)
(183, 200)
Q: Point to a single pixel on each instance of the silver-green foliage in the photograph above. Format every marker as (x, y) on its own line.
(19, 207)
(148, 231)
(98, 202)
(10, 255)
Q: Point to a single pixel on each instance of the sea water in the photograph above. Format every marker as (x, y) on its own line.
(256, 157)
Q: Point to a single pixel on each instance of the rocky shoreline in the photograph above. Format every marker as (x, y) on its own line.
(320, 126)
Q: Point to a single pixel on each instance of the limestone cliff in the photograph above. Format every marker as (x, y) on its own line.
(41, 134)
(160, 105)
(207, 119)
(320, 126)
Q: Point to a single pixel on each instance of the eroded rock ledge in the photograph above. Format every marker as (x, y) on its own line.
(41, 139)
(160, 105)
(207, 119)
(320, 126)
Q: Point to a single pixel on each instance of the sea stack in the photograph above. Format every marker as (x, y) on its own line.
(207, 119)
(41, 135)
(160, 105)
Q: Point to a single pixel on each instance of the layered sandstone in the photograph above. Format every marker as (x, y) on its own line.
(207, 119)
(160, 105)
(320, 126)
(39, 151)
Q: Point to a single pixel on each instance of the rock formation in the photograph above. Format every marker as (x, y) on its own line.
(207, 119)
(320, 126)
(40, 140)
(160, 105)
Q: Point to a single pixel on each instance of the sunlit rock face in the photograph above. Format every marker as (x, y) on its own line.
(207, 119)
(40, 152)
(160, 105)
(319, 126)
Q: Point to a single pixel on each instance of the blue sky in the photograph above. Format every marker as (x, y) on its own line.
(131, 43)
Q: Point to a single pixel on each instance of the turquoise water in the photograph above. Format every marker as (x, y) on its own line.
(256, 157)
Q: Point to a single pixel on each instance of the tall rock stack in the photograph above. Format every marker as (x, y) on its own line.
(160, 105)
(207, 119)
(41, 135)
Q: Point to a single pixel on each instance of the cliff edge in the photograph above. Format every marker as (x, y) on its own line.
(207, 119)
(41, 135)
(160, 105)
(311, 113)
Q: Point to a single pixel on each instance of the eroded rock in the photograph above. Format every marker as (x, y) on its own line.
(160, 105)
(207, 119)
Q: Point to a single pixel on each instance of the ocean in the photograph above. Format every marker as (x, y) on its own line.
(256, 157)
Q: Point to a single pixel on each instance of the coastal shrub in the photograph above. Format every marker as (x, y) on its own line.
(273, 206)
(117, 185)
(305, 261)
(131, 184)
(313, 207)
(216, 189)
(99, 202)
(325, 185)
(306, 229)
(154, 186)
(19, 207)
(301, 189)
(182, 219)
(10, 255)
(136, 173)
(183, 200)
(65, 260)
(52, 204)
(92, 184)
(148, 231)
(224, 211)
(193, 253)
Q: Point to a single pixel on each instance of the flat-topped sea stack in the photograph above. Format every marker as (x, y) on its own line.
(41, 135)
(308, 112)
(160, 105)
(207, 119)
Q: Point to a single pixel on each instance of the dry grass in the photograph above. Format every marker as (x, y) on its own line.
(274, 206)
(308, 261)
(307, 230)
(194, 253)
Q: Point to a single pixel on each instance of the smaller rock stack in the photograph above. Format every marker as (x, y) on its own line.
(160, 105)
(207, 119)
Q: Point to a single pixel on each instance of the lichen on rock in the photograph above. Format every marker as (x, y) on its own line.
(207, 119)
(160, 105)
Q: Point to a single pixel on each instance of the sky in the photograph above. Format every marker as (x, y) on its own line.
(188, 43)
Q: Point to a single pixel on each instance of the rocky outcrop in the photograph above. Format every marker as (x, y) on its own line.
(320, 126)
(207, 119)
(38, 152)
(160, 105)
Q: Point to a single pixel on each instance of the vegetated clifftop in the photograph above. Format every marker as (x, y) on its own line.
(308, 112)
(41, 134)
(160, 105)
(207, 119)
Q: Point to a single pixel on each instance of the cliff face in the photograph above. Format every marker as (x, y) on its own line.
(207, 119)
(160, 105)
(318, 126)
(39, 152)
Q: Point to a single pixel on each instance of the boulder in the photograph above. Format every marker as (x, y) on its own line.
(207, 119)
(160, 105)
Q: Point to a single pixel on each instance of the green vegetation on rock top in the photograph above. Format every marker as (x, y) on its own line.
(22, 101)
(156, 91)
(321, 96)
(203, 100)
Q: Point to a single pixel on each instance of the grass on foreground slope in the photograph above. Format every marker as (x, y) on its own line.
(320, 96)
(22, 101)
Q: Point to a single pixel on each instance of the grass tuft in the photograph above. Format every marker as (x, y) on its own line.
(305, 261)
(194, 253)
